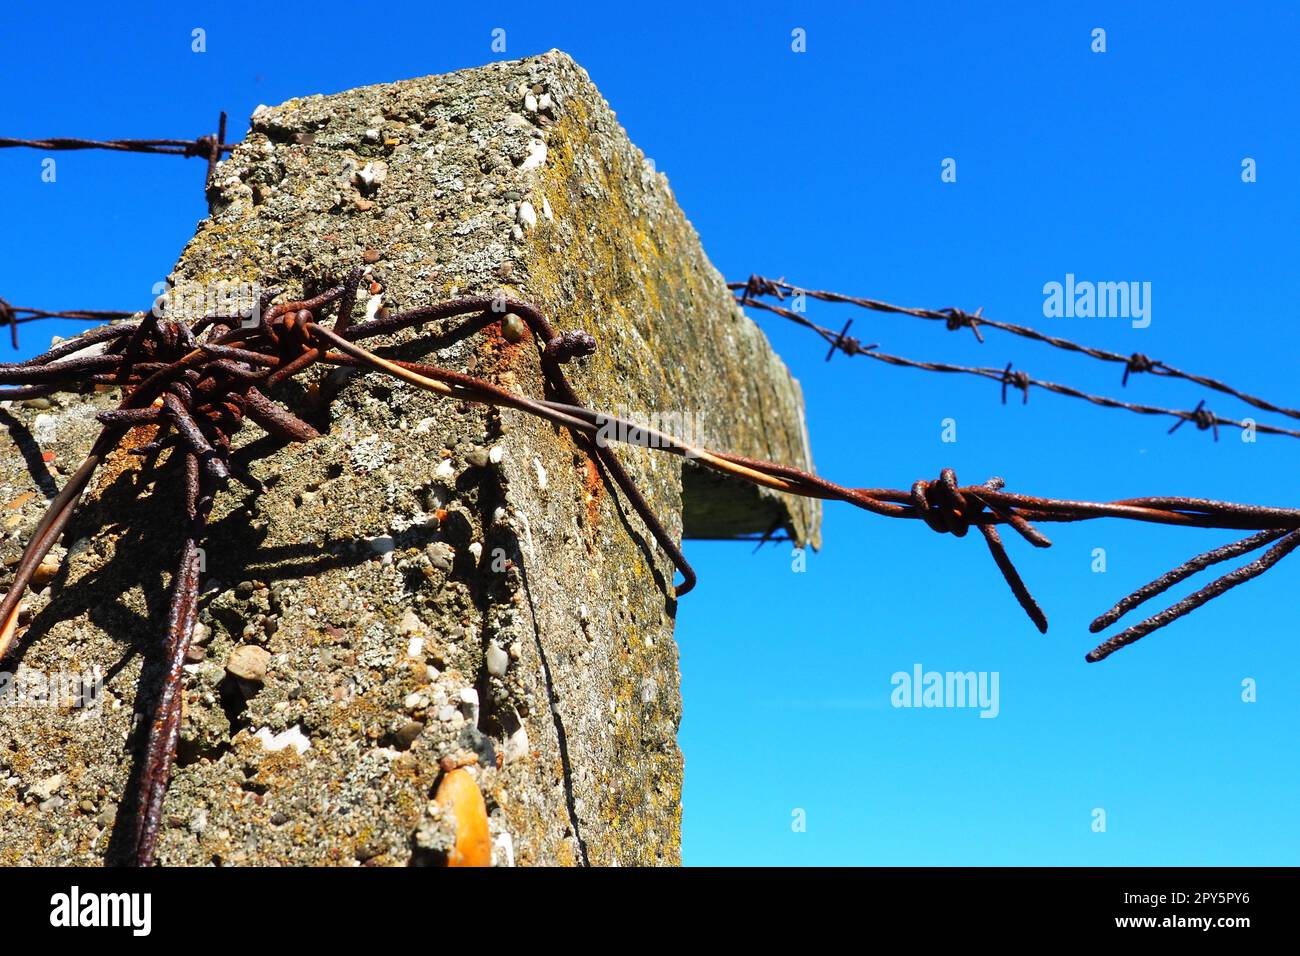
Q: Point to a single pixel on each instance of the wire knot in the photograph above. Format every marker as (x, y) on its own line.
(758, 286)
(853, 346)
(570, 345)
(1018, 380)
(205, 147)
(1202, 416)
(1137, 362)
(173, 335)
(846, 343)
(961, 319)
(942, 505)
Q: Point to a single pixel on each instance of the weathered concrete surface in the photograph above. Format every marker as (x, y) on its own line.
(369, 581)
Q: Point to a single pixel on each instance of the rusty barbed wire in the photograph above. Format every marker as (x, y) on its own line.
(210, 147)
(943, 505)
(195, 384)
(757, 286)
(14, 316)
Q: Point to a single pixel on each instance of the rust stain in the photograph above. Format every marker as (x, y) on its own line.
(594, 488)
(120, 460)
(496, 353)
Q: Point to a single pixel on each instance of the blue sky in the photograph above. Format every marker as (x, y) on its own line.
(824, 167)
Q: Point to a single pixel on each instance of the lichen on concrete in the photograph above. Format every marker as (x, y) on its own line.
(430, 579)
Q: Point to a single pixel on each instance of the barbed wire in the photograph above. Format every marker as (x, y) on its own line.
(757, 286)
(210, 147)
(14, 316)
(292, 339)
(194, 385)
